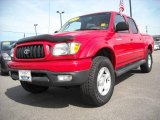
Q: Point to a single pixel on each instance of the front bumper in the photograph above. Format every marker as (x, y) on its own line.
(46, 72)
(47, 78)
(53, 66)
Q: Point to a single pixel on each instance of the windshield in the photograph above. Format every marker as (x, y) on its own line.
(7, 45)
(89, 22)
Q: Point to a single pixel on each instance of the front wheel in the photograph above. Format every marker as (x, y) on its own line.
(100, 85)
(146, 68)
(33, 88)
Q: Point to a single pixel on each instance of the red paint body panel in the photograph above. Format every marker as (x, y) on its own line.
(53, 66)
(125, 48)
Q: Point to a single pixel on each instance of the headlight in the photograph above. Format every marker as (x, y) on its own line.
(66, 48)
(60, 49)
(12, 52)
(6, 56)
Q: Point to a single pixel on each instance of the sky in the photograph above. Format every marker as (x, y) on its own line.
(19, 16)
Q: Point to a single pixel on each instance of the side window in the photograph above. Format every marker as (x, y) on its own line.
(132, 25)
(118, 18)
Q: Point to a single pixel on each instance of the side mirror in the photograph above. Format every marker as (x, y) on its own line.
(55, 31)
(122, 26)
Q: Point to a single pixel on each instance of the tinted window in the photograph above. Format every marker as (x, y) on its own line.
(118, 18)
(132, 25)
(7, 45)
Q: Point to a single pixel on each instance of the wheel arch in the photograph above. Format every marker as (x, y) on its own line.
(107, 52)
(150, 48)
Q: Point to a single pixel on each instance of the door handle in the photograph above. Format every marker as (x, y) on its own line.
(131, 39)
(118, 38)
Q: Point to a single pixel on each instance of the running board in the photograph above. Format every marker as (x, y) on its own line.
(129, 67)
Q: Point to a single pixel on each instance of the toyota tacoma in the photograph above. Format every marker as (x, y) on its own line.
(89, 51)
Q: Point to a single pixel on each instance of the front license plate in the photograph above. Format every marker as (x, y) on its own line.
(25, 75)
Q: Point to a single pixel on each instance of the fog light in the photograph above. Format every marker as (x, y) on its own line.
(64, 77)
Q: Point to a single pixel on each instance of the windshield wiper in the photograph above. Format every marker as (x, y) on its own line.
(88, 29)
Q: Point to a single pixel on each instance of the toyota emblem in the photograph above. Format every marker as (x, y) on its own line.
(26, 51)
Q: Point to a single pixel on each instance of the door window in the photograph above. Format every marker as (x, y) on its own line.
(118, 18)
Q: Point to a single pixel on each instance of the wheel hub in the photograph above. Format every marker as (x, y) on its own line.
(104, 81)
(149, 61)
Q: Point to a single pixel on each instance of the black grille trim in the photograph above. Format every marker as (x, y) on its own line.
(35, 51)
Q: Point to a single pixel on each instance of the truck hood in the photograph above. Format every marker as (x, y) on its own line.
(84, 35)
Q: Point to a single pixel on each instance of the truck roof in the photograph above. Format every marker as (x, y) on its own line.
(113, 12)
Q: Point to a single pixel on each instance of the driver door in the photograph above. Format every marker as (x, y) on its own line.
(122, 42)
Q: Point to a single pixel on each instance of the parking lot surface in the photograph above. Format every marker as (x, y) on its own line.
(136, 97)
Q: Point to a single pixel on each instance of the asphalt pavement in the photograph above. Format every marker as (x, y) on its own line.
(136, 97)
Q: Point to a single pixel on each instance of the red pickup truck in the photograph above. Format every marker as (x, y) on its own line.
(88, 51)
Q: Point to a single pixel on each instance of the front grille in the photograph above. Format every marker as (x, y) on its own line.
(30, 52)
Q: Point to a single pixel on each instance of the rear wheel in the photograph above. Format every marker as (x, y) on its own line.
(146, 68)
(33, 88)
(100, 85)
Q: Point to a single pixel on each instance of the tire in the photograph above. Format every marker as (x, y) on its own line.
(93, 90)
(146, 68)
(1, 71)
(33, 88)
